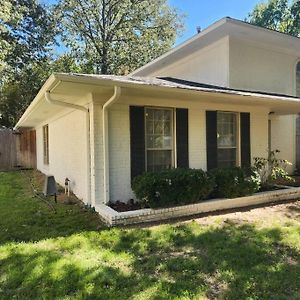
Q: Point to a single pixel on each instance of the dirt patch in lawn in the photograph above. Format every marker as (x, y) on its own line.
(263, 215)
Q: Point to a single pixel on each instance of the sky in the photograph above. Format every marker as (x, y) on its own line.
(205, 12)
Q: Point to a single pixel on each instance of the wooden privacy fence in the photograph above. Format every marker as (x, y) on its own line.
(17, 149)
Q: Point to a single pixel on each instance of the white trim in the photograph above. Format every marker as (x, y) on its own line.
(173, 147)
(107, 104)
(238, 135)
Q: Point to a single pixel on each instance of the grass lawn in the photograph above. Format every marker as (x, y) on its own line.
(71, 255)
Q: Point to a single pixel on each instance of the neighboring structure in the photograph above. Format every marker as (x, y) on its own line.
(220, 99)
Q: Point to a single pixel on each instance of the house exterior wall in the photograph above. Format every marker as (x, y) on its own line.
(256, 67)
(119, 137)
(67, 150)
(241, 64)
(209, 65)
(283, 138)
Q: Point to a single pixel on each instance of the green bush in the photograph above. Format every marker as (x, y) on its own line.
(271, 168)
(172, 187)
(234, 182)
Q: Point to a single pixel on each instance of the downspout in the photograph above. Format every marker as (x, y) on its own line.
(86, 110)
(107, 104)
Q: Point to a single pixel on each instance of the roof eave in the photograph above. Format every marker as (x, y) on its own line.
(48, 85)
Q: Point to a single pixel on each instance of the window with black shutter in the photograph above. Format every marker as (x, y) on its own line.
(152, 139)
(227, 139)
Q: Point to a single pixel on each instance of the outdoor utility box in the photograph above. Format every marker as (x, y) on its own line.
(50, 186)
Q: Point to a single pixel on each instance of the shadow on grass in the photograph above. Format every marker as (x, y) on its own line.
(25, 218)
(185, 261)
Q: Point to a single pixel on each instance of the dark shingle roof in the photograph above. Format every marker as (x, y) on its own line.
(221, 88)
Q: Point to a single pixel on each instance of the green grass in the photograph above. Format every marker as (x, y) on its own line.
(71, 255)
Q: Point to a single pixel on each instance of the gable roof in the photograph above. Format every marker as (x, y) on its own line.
(218, 30)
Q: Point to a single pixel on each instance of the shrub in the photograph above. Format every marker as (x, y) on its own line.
(234, 182)
(172, 187)
(271, 168)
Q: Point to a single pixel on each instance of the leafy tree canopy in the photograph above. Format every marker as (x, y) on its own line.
(280, 15)
(95, 36)
(27, 33)
(117, 36)
(27, 37)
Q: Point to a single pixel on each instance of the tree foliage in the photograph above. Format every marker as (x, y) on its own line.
(117, 36)
(27, 37)
(27, 33)
(96, 36)
(280, 15)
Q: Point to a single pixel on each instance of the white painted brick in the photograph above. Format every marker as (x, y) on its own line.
(150, 215)
(67, 150)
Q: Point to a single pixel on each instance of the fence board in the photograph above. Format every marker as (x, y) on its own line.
(17, 149)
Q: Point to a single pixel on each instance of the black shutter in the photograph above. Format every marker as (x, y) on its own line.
(245, 140)
(137, 140)
(211, 140)
(182, 137)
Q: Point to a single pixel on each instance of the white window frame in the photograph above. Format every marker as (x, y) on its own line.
(172, 148)
(238, 136)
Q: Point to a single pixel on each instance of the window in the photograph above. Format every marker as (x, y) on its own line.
(227, 140)
(298, 79)
(46, 144)
(159, 139)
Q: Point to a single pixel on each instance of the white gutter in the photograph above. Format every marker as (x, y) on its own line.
(50, 100)
(107, 104)
(65, 104)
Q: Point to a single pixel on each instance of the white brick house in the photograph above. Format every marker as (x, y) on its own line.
(221, 98)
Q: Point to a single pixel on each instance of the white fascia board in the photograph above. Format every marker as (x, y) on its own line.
(48, 85)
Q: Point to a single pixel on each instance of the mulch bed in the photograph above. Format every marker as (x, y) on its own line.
(121, 206)
(131, 205)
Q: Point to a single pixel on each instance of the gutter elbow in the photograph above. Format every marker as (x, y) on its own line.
(114, 97)
(48, 97)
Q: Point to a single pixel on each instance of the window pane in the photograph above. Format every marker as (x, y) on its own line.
(167, 128)
(227, 139)
(226, 127)
(226, 158)
(150, 127)
(158, 127)
(159, 139)
(158, 160)
(150, 141)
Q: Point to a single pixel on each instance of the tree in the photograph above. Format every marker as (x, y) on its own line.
(19, 90)
(280, 15)
(27, 34)
(117, 36)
